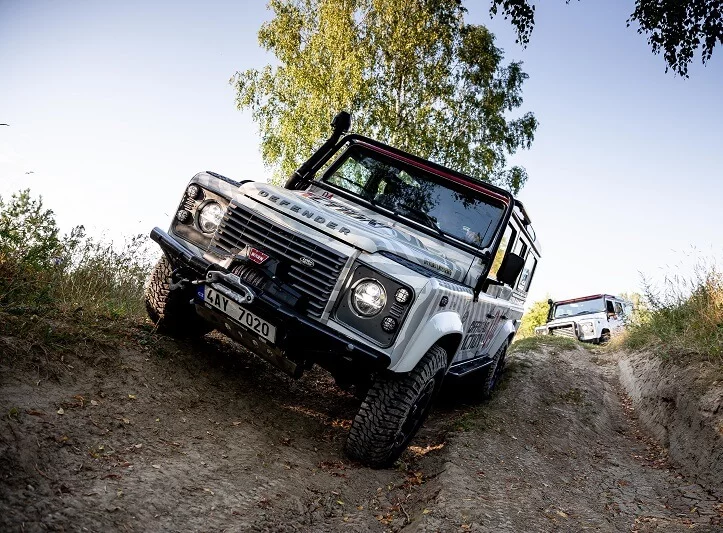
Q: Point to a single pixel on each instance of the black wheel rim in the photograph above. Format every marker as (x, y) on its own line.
(417, 413)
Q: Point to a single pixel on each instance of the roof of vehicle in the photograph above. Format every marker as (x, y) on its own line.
(585, 298)
(429, 166)
(518, 209)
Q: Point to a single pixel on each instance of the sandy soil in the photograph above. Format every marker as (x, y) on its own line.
(160, 435)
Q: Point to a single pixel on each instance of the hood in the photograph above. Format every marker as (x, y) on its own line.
(360, 227)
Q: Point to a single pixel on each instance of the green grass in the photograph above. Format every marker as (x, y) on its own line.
(42, 272)
(65, 293)
(529, 344)
(685, 318)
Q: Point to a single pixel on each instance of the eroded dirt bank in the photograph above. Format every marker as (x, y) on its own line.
(682, 407)
(162, 435)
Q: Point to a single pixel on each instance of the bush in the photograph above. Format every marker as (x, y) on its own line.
(41, 271)
(536, 316)
(686, 317)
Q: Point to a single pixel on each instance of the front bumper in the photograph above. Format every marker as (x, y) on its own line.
(564, 329)
(300, 340)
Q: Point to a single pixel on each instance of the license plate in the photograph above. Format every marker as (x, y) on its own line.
(244, 317)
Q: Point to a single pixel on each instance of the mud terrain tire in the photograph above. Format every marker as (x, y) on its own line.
(494, 372)
(393, 411)
(169, 309)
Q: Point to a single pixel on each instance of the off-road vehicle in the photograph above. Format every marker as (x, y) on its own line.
(592, 318)
(387, 270)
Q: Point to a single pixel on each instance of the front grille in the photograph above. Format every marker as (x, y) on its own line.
(241, 226)
(564, 331)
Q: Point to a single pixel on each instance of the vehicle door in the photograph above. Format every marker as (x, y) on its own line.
(495, 304)
(615, 314)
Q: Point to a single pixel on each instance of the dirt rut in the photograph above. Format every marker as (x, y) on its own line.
(164, 435)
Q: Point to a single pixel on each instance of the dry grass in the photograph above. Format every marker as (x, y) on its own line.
(538, 342)
(684, 318)
(59, 292)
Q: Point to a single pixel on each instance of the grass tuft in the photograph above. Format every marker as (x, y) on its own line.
(42, 272)
(59, 292)
(684, 318)
(529, 344)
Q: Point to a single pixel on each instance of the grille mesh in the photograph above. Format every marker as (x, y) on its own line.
(241, 226)
(564, 331)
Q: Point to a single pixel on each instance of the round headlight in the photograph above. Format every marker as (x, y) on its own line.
(368, 298)
(210, 217)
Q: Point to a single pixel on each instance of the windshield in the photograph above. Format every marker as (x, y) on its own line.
(579, 308)
(445, 207)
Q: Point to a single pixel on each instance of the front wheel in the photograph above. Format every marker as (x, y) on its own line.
(169, 308)
(393, 411)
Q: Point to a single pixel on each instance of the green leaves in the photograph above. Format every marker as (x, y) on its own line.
(412, 74)
(28, 233)
(677, 28)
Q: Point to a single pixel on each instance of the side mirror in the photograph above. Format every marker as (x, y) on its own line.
(510, 268)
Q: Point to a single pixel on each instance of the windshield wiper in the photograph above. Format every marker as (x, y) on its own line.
(420, 216)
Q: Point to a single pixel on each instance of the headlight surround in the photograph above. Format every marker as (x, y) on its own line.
(588, 328)
(368, 297)
(209, 217)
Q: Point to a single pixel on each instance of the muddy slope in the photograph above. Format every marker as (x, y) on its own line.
(162, 435)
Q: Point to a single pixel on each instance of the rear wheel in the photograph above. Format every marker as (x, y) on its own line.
(393, 411)
(494, 372)
(170, 309)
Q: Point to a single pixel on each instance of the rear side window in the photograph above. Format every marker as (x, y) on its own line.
(527, 272)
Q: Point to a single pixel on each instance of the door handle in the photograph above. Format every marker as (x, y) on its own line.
(490, 316)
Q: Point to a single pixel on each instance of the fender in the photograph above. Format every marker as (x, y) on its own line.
(438, 326)
(507, 329)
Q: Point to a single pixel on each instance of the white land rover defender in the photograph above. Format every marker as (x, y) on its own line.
(590, 318)
(387, 270)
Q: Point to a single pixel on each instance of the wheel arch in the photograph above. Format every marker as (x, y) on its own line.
(444, 329)
(450, 344)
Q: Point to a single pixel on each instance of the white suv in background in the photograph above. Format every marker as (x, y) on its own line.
(590, 318)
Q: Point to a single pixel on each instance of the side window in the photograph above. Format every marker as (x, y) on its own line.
(618, 309)
(609, 307)
(527, 273)
(520, 248)
(507, 239)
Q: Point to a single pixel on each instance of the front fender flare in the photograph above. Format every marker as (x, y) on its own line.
(440, 325)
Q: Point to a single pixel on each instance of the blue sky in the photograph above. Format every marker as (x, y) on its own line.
(113, 106)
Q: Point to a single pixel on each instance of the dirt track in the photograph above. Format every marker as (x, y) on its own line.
(161, 435)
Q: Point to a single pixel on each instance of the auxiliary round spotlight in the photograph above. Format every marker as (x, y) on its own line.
(193, 191)
(402, 295)
(389, 324)
(183, 216)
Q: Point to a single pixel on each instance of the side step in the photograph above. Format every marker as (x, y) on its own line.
(463, 368)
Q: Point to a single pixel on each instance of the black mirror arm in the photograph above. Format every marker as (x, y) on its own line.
(478, 286)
